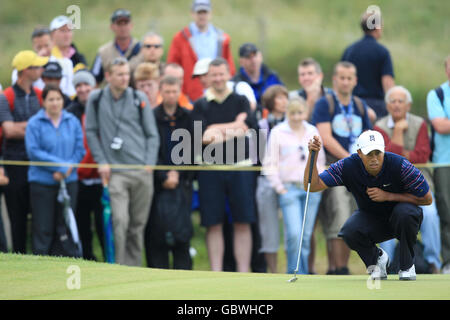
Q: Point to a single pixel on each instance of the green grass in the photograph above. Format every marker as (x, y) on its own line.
(286, 30)
(36, 277)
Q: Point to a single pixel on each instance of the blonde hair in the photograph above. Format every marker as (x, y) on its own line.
(146, 71)
(295, 104)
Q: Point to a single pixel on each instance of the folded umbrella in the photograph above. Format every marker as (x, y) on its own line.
(108, 226)
(69, 217)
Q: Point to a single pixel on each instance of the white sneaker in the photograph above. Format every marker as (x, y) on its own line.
(409, 274)
(380, 270)
(446, 269)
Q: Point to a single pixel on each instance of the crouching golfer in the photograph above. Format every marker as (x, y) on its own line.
(388, 190)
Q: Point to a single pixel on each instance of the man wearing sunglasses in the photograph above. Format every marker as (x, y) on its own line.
(152, 50)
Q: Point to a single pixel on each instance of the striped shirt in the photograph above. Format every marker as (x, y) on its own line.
(397, 175)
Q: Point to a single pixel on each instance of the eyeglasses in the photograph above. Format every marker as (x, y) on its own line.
(149, 46)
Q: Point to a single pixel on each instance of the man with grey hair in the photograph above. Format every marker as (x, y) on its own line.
(407, 135)
(438, 105)
(121, 129)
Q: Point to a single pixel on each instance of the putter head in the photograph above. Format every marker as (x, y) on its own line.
(292, 279)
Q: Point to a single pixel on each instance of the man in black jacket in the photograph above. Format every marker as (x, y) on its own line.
(169, 228)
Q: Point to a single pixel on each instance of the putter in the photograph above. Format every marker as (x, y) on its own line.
(311, 165)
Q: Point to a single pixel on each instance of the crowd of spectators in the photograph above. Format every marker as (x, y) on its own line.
(163, 118)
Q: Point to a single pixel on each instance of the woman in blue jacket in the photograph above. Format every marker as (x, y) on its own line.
(52, 136)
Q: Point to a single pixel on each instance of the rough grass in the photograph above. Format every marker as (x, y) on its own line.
(36, 277)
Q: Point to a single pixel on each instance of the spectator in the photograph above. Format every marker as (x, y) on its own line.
(17, 105)
(257, 261)
(173, 189)
(52, 135)
(240, 87)
(340, 118)
(199, 40)
(176, 71)
(89, 183)
(407, 135)
(275, 99)
(438, 105)
(310, 78)
(284, 165)
(146, 79)
(121, 129)
(3, 243)
(152, 50)
(52, 75)
(43, 46)
(373, 64)
(123, 45)
(253, 71)
(61, 29)
(226, 117)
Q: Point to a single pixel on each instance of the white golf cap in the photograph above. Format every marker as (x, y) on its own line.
(370, 140)
(201, 67)
(59, 22)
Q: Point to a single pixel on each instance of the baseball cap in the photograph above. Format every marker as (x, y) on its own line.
(247, 49)
(120, 14)
(27, 58)
(370, 140)
(59, 22)
(199, 5)
(83, 76)
(201, 67)
(52, 70)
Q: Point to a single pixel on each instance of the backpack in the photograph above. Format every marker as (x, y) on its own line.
(440, 94)
(331, 104)
(10, 96)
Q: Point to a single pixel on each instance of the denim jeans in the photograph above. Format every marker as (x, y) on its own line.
(431, 238)
(292, 205)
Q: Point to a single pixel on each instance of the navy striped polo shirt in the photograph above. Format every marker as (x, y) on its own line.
(397, 175)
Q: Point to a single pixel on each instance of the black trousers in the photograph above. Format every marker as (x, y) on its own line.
(89, 201)
(362, 231)
(3, 244)
(47, 212)
(17, 196)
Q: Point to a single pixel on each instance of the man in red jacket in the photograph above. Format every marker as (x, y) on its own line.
(197, 41)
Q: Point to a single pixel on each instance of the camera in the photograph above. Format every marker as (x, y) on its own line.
(117, 143)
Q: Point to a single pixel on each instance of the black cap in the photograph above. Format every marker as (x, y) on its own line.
(120, 13)
(52, 70)
(247, 49)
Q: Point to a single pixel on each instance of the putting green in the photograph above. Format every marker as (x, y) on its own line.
(35, 277)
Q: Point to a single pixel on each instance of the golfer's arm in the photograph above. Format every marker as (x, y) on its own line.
(407, 197)
(316, 183)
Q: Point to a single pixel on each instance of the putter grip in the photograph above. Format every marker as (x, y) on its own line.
(311, 165)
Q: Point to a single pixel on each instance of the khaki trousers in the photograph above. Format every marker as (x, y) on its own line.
(131, 197)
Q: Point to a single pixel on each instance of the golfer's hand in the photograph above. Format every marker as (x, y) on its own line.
(377, 195)
(314, 144)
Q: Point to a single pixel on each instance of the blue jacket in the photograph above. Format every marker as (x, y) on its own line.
(46, 143)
